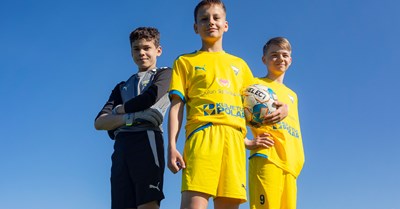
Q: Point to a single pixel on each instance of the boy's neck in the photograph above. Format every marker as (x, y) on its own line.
(212, 46)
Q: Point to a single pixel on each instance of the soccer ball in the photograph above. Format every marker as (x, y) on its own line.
(258, 101)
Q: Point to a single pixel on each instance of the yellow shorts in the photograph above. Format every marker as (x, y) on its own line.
(270, 187)
(215, 160)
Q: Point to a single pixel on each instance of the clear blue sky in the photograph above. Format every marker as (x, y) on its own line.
(59, 61)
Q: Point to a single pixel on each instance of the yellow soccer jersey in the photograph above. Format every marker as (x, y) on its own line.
(287, 152)
(210, 84)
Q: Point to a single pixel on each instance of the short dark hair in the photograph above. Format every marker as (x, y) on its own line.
(207, 3)
(279, 41)
(147, 33)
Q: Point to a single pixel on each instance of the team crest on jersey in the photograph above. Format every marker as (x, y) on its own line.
(209, 109)
(223, 82)
(144, 83)
(235, 70)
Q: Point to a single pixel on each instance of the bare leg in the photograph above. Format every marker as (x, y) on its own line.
(194, 200)
(149, 205)
(226, 203)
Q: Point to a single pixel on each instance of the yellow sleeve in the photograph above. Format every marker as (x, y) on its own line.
(178, 80)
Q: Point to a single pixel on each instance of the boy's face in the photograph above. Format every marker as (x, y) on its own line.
(277, 59)
(211, 22)
(145, 53)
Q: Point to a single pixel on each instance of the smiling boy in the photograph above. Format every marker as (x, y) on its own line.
(273, 170)
(133, 116)
(208, 82)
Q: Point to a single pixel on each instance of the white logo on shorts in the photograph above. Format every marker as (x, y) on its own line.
(155, 187)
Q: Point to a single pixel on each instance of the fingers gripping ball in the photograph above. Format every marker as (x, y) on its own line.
(258, 101)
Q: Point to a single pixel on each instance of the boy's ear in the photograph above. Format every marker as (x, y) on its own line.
(226, 26)
(159, 51)
(264, 60)
(195, 28)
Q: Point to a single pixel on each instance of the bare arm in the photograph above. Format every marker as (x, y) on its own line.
(105, 120)
(175, 159)
(109, 122)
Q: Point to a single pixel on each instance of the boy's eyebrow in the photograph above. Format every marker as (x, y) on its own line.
(281, 52)
(144, 45)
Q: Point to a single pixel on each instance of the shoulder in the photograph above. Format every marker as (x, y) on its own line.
(236, 61)
(291, 91)
(186, 55)
(234, 57)
(163, 69)
(117, 87)
(116, 92)
(288, 89)
(163, 74)
(238, 64)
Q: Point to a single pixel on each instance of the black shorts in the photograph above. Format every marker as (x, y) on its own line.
(137, 169)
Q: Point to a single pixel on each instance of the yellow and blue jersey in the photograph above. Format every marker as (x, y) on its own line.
(287, 152)
(210, 84)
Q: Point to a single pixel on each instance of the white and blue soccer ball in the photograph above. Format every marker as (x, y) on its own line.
(258, 101)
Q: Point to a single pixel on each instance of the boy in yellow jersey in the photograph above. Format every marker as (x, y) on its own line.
(273, 170)
(208, 82)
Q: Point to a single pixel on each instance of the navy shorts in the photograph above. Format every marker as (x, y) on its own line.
(137, 169)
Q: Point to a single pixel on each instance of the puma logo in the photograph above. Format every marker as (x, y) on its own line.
(155, 187)
(200, 68)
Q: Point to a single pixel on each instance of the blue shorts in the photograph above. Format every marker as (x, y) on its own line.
(137, 169)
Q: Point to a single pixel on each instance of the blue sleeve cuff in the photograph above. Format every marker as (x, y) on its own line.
(258, 155)
(178, 93)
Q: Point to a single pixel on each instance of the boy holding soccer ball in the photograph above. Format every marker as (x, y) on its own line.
(133, 116)
(273, 171)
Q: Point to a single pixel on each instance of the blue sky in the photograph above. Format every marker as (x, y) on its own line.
(61, 59)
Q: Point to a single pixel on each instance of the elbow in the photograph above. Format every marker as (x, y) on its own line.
(98, 126)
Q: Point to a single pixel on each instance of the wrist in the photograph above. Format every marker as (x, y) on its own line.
(171, 147)
(128, 118)
(246, 141)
